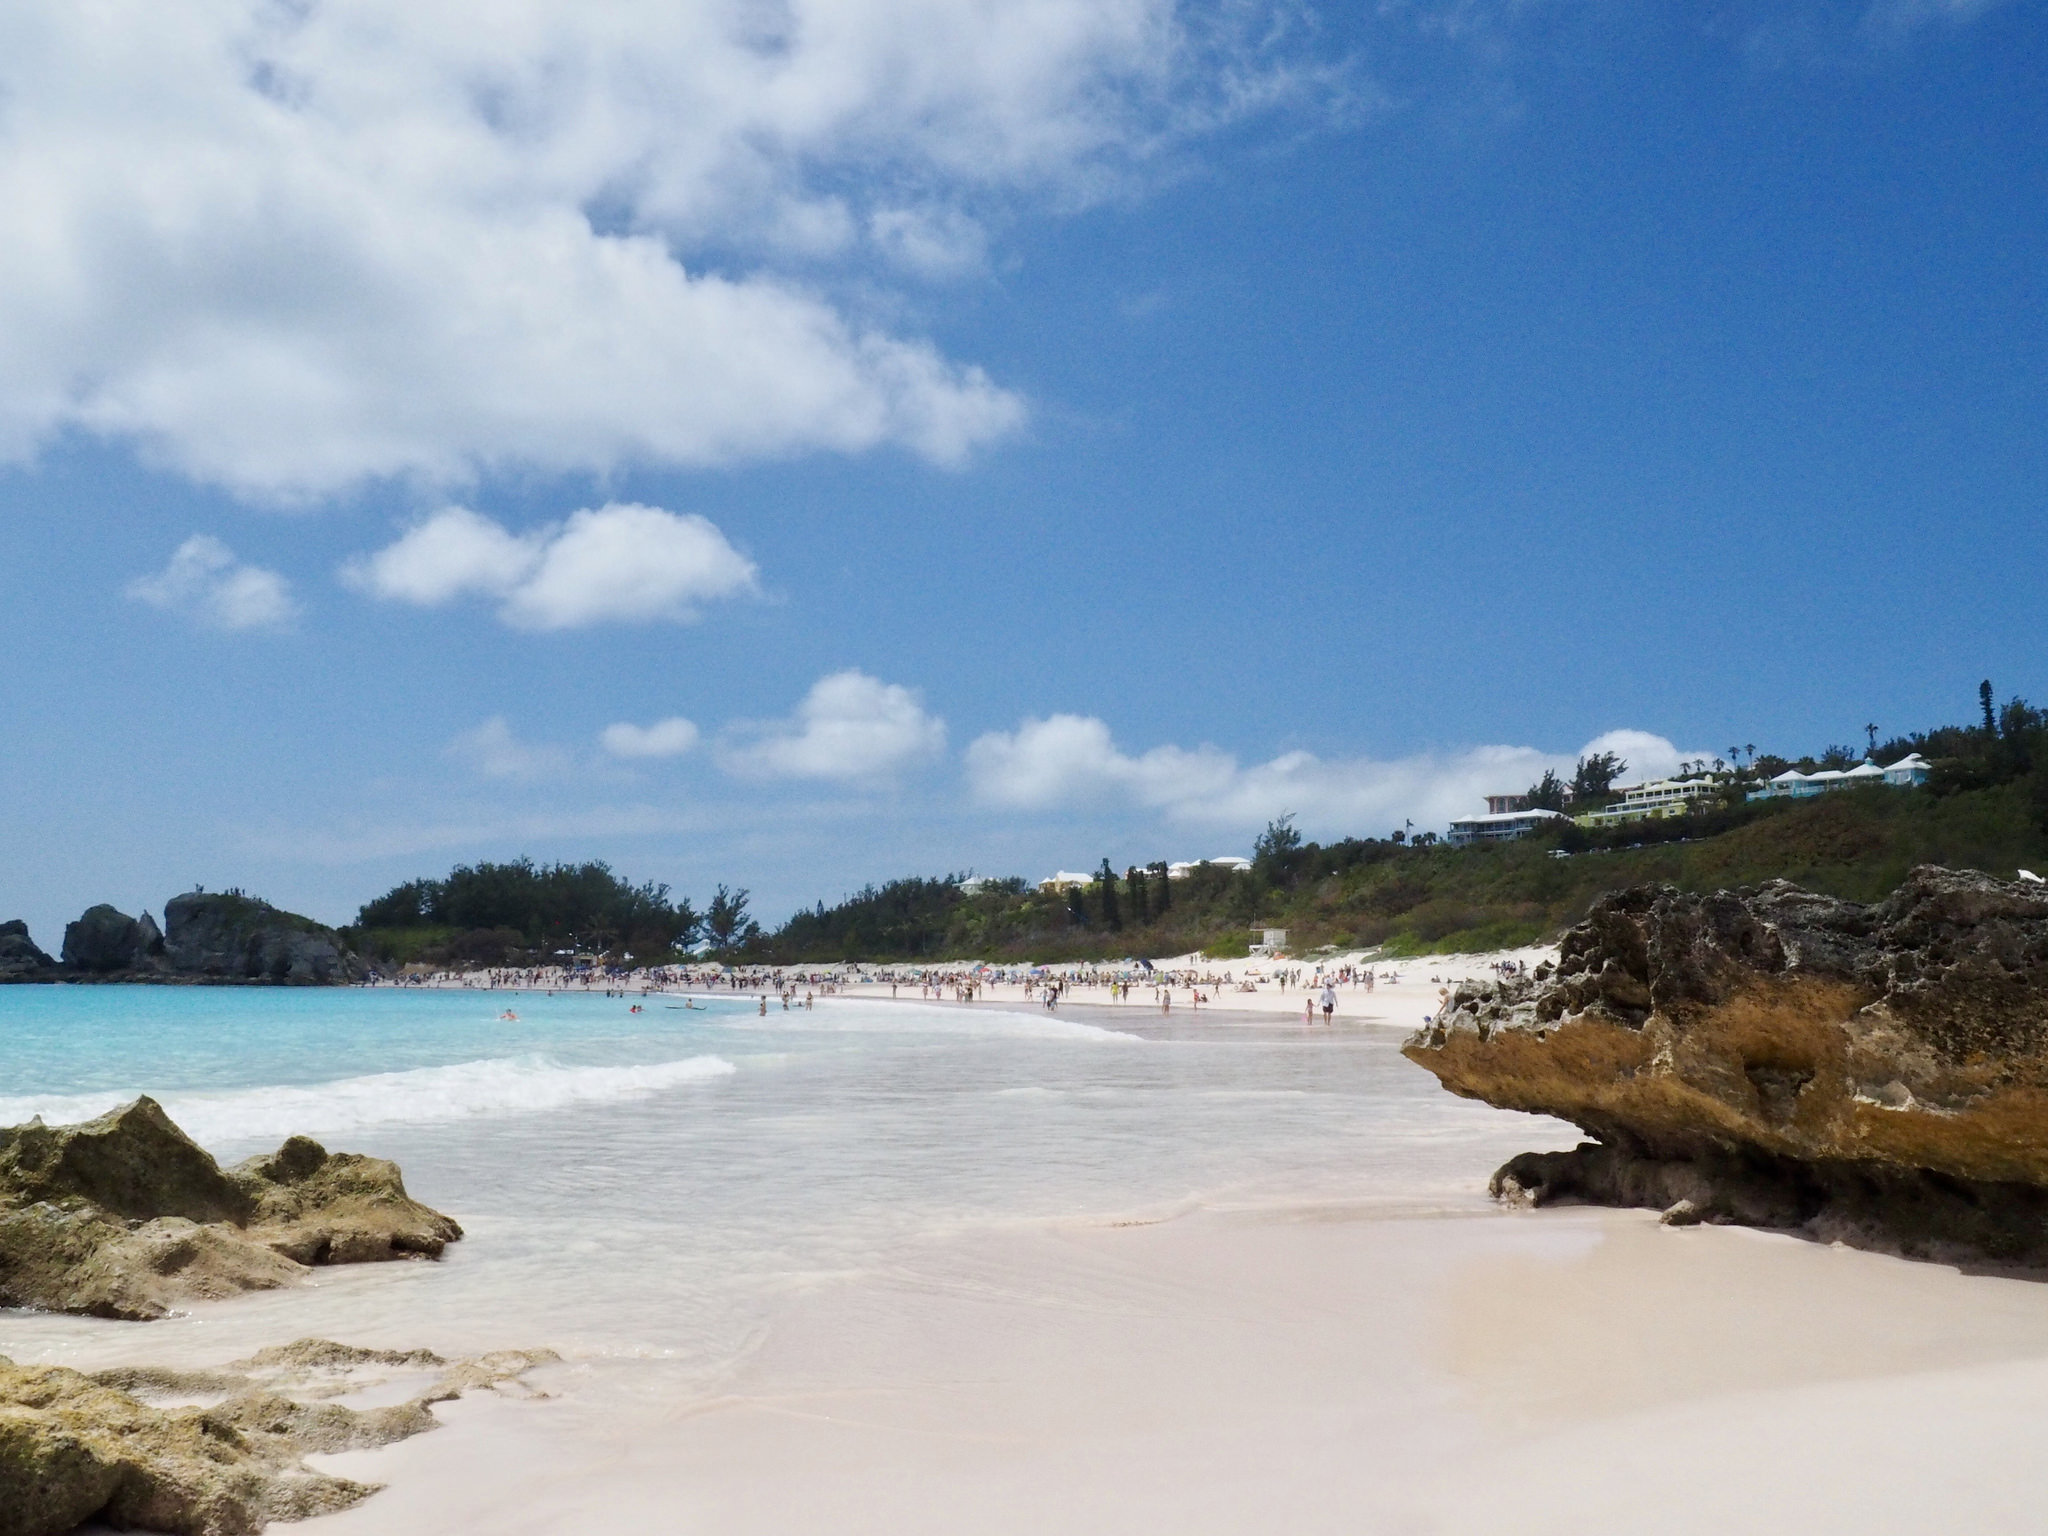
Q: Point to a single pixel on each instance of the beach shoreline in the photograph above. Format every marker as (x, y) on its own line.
(1285, 1353)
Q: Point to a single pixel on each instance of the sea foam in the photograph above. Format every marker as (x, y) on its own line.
(464, 1090)
(888, 1016)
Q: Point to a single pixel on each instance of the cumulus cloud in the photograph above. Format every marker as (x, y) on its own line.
(1068, 761)
(665, 738)
(289, 247)
(496, 753)
(620, 563)
(849, 726)
(204, 581)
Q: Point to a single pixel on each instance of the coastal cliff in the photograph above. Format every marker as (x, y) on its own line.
(207, 936)
(126, 1217)
(1870, 1073)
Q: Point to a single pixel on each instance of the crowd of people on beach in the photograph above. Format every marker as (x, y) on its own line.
(1201, 983)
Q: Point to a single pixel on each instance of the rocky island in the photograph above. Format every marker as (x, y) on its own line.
(125, 1216)
(207, 936)
(1874, 1074)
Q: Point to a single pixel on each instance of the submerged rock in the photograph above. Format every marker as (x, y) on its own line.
(125, 1216)
(75, 1448)
(1872, 1073)
(20, 960)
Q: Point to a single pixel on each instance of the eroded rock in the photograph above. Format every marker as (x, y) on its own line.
(1874, 1073)
(20, 960)
(225, 936)
(208, 936)
(75, 1448)
(105, 939)
(125, 1216)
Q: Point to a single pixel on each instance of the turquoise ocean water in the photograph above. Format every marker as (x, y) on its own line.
(640, 1184)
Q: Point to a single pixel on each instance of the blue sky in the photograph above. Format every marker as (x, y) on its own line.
(1007, 434)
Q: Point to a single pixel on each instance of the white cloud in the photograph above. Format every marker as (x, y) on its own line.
(205, 581)
(849, 726)
(620, 563)
(931, 243)
(493, 751)
(665, 738)
(454, 552)
(288, 247)
(1067, 761)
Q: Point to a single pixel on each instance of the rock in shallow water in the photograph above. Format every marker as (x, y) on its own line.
(1873, 1073)
(125, 1216)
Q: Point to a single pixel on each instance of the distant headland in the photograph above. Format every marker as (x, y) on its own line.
(218, 937)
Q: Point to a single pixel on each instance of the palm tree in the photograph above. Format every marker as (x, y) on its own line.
(1871, 732)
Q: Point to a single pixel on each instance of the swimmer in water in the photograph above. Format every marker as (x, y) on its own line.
(509, 1014)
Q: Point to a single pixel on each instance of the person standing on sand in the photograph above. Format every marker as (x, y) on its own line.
(1329, 1002)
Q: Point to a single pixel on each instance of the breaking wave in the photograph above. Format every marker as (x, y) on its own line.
(511, 1085)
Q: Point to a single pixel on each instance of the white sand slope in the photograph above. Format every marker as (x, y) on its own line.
(1307, 1370)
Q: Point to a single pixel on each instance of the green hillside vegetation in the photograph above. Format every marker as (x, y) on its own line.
(1431, 898)
(1985, 806)
(508, 914)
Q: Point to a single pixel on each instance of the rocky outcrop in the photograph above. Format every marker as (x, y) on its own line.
(125, 1216)
(1873, 1073)
(228, 937)
(105, 940)
(20, 960)
(77, 1448)
(208, 936)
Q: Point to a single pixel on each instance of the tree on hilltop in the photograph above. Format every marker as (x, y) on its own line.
(1105, 877)
(1594, 777)
(1276, 852)
(1548, 793)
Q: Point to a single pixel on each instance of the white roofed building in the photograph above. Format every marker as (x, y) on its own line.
(1499, 826)
(1792, 784)
(1659, 797)
(1186, 867)
(1064, 880)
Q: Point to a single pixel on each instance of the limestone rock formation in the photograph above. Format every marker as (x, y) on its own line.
(319, 1207)
(226, 936)
(1874, 1073)
(105, 939)
(20, 960)
(125, 1216)
(218, 936)
(75, 1448)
